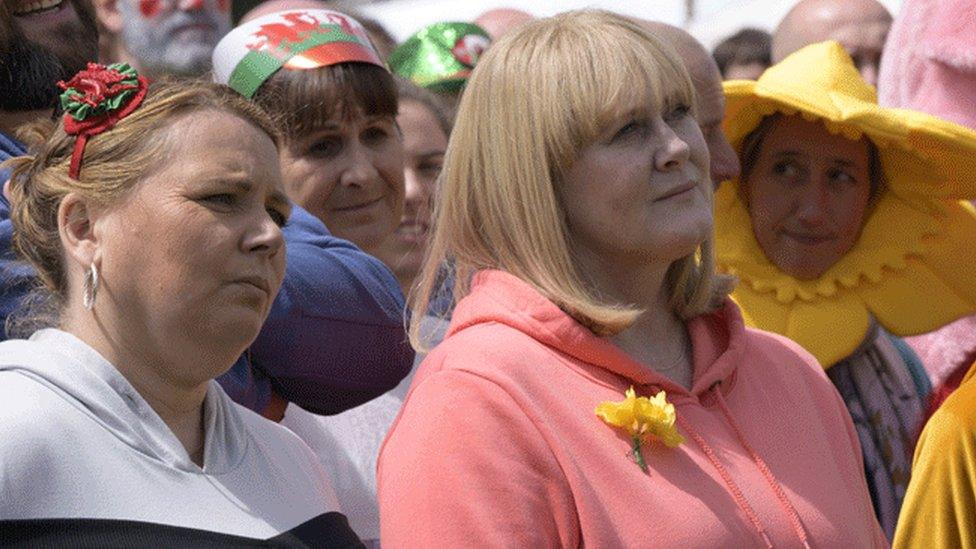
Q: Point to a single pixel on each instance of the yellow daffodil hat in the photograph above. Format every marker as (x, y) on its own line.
(912, 269)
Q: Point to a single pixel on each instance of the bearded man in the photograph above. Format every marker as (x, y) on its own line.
(40, 44)
(162, 37)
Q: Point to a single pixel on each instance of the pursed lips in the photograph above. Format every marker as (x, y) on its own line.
(680, 189)
(258, 282)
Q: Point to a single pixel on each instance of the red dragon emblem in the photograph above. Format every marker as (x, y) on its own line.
(278, 38)
(468, 49)
(338, 19)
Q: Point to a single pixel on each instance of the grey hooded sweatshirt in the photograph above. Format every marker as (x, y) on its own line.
(80, 447)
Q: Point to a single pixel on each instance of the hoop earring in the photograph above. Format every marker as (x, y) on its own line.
(90, 287)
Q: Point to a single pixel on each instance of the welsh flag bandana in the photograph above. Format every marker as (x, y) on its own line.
(294, 40)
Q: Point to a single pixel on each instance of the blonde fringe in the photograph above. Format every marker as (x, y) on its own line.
(546, 88)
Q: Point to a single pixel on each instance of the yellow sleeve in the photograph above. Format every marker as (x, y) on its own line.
(940, 505)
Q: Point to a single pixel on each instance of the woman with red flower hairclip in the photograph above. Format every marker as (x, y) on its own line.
(157, 239)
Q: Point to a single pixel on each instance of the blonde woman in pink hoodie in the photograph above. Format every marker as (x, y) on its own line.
(596, 387)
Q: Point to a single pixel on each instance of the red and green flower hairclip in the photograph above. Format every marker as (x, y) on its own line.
(95, 99)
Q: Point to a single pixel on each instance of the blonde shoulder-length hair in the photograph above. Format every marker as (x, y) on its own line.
(536, 98)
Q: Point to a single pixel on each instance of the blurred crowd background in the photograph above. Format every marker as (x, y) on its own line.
(709, 21)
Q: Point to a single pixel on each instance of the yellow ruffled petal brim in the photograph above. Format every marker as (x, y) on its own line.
(921, 155)
(909, 270)
(936, 287)
(828, 328)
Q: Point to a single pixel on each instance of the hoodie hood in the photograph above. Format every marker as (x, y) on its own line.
(496, 296)
(79, 374)
(529, 377)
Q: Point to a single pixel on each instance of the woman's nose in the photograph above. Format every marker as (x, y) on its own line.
(415, 189)
(673, 151)
(264, 236)
(814, 205)
(360, 170)
(724, 163)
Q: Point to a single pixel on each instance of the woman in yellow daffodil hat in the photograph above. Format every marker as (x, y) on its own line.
(846, 227)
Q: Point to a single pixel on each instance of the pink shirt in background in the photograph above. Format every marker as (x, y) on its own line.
(929, 65)
(929, 61)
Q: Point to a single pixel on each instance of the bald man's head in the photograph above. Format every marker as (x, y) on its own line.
(861, 26)
(274, 6)
(707, 79)
(499, 21)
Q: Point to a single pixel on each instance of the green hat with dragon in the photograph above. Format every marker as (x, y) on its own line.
(440, 57)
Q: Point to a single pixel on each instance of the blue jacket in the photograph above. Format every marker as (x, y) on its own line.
(334, 338)
(16, 277)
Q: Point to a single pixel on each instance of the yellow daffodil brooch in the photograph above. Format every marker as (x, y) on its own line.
(642, 418)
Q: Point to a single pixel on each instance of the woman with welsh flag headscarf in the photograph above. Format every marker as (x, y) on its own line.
(845, 228)
(316, 72)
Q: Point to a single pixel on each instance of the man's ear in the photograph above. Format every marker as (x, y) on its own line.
(108, 15)
(76, 228)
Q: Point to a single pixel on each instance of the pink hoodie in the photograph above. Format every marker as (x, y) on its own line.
(497, 444)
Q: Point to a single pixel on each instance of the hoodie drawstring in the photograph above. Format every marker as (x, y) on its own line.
(730, 484)
(774, 484)
(734, 489)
